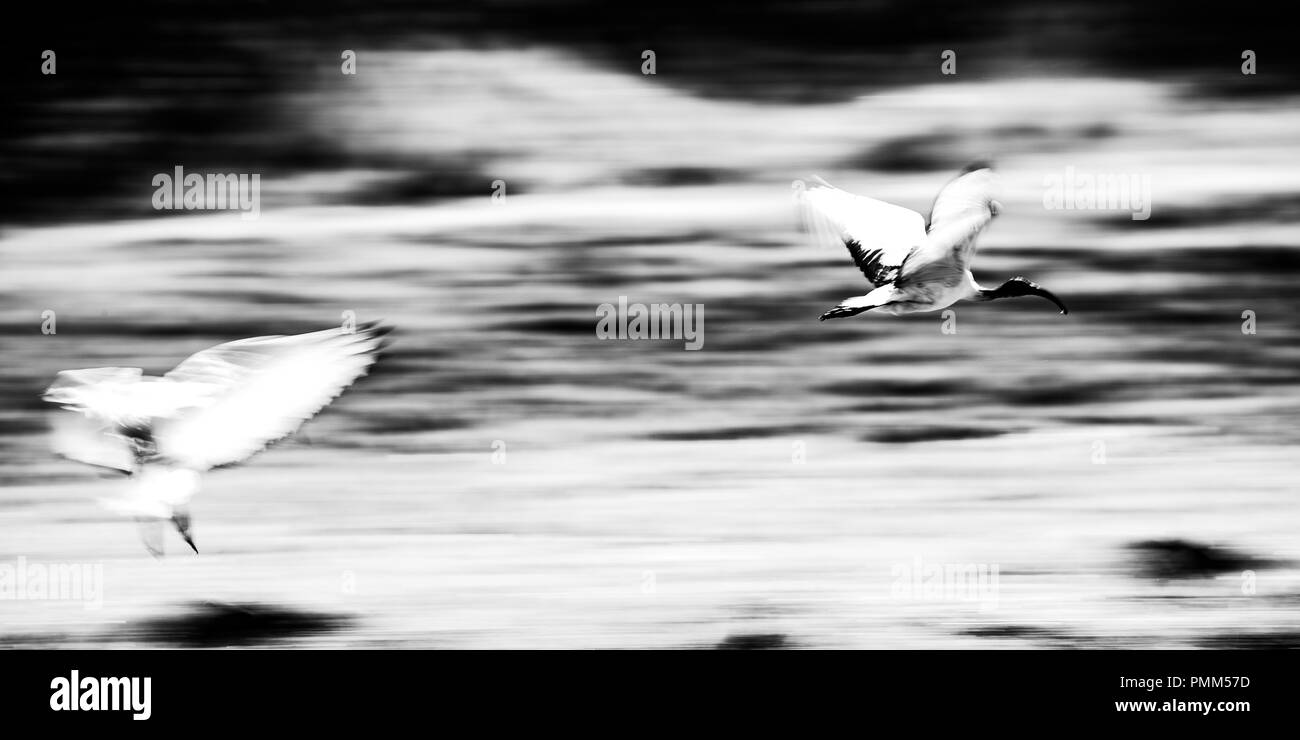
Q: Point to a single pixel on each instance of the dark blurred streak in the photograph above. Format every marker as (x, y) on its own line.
(449, 180)
(1240, 262)
(562, 326)
(1279, 640)
(912, 434)
(1024, 632)
(1174, 559)
(204, 624)
(1059, 392)
(901, 407)
(759, 641)
(1118, 420)
(732, 433)
(1243, 211)
(890, 388)
(675, 177)
(255, 297)
(1055, 638)
(949, 149)
(212, 624)
(918, 153)
(408, 423)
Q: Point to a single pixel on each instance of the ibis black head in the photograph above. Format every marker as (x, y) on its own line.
(1018, 286)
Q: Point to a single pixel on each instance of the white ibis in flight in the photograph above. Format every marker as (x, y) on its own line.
(215, 409)
(913, 268)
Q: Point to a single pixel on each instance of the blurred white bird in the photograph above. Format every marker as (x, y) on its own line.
(912, 268)
(217, 408)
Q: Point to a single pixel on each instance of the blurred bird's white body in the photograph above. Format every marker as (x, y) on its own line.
(928, 297)
(156, 492)
(217, 408)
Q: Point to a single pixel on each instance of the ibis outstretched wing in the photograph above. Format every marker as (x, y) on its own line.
(258, 391)
(960, 212)
(878, 235)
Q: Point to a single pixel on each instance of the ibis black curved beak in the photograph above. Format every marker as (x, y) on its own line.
(1018, 286)
(1044, 293)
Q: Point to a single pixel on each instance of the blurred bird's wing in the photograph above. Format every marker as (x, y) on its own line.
(81, 438)
(879, 235)
(260, 390)
(96, 392)
(93, 376)
(960, 212)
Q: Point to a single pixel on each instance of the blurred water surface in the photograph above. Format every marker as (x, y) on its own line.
(769, 484)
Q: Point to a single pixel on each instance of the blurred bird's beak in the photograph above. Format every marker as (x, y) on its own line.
(182, 522)
(1044, 293)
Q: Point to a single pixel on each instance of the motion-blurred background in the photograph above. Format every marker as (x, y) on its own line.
(506, 479)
